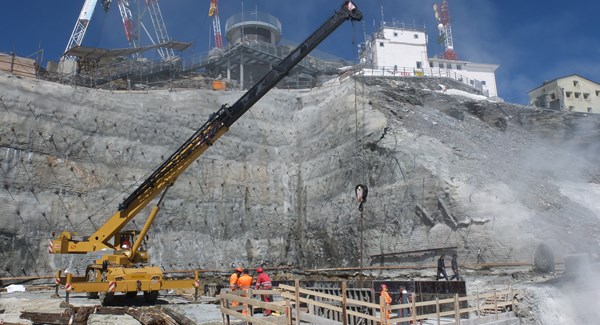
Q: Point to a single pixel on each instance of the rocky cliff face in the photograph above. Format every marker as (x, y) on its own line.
(444, 168)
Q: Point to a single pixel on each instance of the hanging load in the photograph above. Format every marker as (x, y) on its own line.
(361, 195)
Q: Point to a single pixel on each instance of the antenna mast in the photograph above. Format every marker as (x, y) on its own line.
(442, 14)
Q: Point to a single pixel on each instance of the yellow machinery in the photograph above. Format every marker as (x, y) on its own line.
(114, 271)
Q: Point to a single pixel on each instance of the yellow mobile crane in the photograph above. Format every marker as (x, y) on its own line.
(113, 271)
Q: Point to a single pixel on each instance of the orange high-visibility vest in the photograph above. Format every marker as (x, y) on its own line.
(233, 279)
(244, 282)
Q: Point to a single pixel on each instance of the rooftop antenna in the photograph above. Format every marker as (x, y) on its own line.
(382, 21)
(442, 14)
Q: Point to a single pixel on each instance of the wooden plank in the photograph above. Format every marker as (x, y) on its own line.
(177, 316)
(361, 315)
(253, 302)
(249, 319)
(45, 318)
(17, 59)
(313, 302)
(311, 292)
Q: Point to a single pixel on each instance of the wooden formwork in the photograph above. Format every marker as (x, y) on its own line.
(19, 66)
(297, 305)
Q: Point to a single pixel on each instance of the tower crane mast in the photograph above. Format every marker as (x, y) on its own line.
(160, 28)
(442, 14)
(82, 23)
(214, 13)
(127, 19)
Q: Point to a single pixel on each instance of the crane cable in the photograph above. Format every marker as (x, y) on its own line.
(361, 190)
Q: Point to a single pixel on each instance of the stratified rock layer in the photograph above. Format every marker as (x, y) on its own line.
(444, 168)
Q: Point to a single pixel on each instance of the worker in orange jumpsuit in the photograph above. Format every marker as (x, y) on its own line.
(387, 300)
(263, 282)
(233, 279)
(245, 283)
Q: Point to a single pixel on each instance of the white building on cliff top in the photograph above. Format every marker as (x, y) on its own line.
(398, 50)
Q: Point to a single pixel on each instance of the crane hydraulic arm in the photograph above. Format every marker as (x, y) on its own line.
(218, 123)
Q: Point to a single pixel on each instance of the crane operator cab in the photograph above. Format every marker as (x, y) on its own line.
(126, 240)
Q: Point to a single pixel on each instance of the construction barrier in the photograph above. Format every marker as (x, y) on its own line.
(295, 305)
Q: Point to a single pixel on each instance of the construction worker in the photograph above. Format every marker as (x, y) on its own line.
(233, 282)
(245, 283)
(441, 269)
(455, 267)
(386, 300)
(263, 282)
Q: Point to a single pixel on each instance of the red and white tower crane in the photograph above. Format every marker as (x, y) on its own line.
(442, 14)
(127, 19)
(214, 13)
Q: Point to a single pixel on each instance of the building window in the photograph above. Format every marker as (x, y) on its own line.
(458, 67)
(483, 82)
(597, 92)
(589, 109)
(552, 96)
(380, 44)
(472, 82)
(569, 93)
(449, 65)
(571, 108)
(431, 66)
(441, 65)
(416, 36)
(577, 95)
(395, 34)
(419, 65)
(575, 83)
(586, 95)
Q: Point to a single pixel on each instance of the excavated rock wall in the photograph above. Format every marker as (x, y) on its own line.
(493, 179)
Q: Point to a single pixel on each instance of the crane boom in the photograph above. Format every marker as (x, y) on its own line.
(218, 124)
(81, 25)
(216, 21)
(127, 19)
(116, 270)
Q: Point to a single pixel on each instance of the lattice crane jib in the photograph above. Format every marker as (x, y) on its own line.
(128, 23)
(81, 25)
(160, 28)
(216, 21)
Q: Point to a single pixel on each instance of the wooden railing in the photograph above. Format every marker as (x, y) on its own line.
(296, 305)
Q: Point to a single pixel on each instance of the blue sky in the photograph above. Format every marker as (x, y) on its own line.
(532, 41)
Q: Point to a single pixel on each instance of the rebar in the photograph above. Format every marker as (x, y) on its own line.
(117, 177)
(57, 192)
(69, 220)
(24, 167)
(6, 186)
(56, 117)
(1, 101)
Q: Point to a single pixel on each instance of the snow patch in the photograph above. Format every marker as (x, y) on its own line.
(585, 194)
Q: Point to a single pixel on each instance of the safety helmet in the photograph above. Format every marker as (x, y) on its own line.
(239, 269)
(260, 270)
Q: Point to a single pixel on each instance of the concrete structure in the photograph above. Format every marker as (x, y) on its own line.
(398, 50)
(253, 47)
(572, 93)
